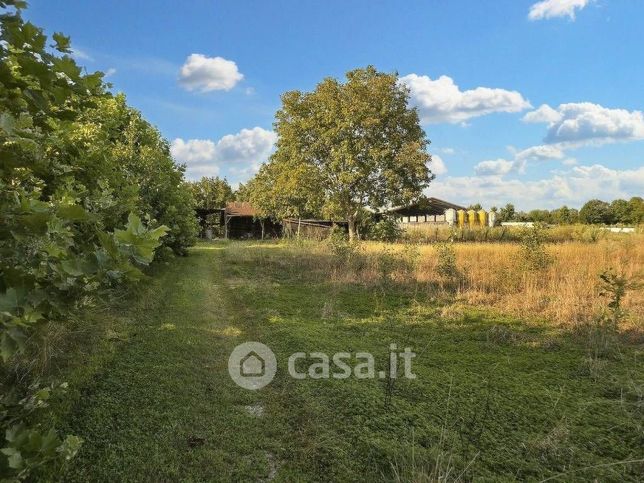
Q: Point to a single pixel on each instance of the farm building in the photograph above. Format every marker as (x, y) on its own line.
(241, 221)
(427, 210)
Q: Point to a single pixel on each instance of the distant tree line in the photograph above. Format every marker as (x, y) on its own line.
(594, 212)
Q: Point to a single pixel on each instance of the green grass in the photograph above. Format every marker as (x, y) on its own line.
(495, 399)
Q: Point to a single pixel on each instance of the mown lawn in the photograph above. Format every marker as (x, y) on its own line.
(495, 399)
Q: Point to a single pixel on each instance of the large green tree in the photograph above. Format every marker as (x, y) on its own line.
(286, 189)
(635, 210)
(596, 212)
(354, 144)
(507, 213)
(211, 193)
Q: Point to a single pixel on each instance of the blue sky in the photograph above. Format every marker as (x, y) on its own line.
(533, 102)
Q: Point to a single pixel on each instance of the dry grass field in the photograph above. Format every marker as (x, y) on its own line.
(564, 291)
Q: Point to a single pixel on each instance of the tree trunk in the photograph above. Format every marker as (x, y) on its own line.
(352, 227)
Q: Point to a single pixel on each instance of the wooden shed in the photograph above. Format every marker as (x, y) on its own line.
(241, 221)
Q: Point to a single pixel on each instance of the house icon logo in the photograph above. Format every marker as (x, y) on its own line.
(252, 365)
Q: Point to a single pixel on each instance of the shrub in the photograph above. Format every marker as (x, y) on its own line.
(446, 264)
(28, 447)
(533, 255)
(88, 192)
(342, 248)
(602, 331)
(386, 230)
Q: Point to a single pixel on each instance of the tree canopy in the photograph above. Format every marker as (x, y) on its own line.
(343, 147)
(211, 193)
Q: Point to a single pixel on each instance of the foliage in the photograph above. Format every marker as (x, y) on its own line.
(285, 189)
(533, 255)
(446, 266)
(79, 171)
(564, 216)
(28, 447)
(386, 230)
(211, 193)
(126, 166)
(596, 212)
(602, 331)
(347, 146)
(507, 213)
(343, 249)
(619, 211)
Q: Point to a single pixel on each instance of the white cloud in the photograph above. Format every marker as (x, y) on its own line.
(572, 188)
(540, 153)
(193, 150)
(437, 166)
(201, 73)
(110, 72)
(448, 151)
(544, 113)
(556, 8)
(575, 124)
(240, 153)
(248, 145)
(499, 167)
(441, 100)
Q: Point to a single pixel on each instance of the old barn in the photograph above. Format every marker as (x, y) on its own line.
(241, 221)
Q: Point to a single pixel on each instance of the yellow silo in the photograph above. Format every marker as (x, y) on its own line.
(461, 218)
(471, 218)
(482, 218)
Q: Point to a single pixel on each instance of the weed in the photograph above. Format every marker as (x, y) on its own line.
(386, 230)
(533, 255)
(502, 335)
(446, 267)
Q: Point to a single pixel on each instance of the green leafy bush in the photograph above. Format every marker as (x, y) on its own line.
(28, 447)
(446, 265)
(386, 230)
(79, 171)
(533, 255)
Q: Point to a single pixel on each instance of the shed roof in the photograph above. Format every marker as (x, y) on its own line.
(240, 208)
(430, 205)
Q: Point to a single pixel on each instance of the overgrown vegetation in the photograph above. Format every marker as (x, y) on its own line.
(533, 255)
(88, 192)
(496, 397)
(428, 233)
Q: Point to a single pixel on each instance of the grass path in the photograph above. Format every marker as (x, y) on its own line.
(164, 408)
(506, 400)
